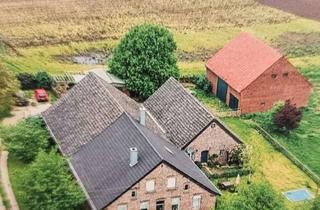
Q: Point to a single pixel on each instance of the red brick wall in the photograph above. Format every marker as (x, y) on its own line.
(214, 82)
(213, 139)
(160, 175)
(265, 91)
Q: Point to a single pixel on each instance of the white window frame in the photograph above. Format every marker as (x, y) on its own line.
(151, 185)
(122, 207)
(175, 201)
(144, 205)
(171, 182)
(196, 202)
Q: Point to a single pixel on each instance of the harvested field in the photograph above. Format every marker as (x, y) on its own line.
(303, 8)
(295, 44)
(27, 23)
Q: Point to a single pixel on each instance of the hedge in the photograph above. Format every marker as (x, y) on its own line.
(231, 173)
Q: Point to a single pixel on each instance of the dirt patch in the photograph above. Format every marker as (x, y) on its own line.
(294, 44)
(86, 58)
(305, 8)
(200, 55)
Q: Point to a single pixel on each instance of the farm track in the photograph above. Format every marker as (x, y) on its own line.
(304, 8)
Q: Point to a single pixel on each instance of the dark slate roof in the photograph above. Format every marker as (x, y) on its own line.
(179, 113)
(86, 110)
(102, 165)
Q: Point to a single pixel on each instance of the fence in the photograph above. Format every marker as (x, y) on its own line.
(289, 155)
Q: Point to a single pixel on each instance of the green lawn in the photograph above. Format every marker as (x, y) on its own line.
(269, 164)
(16, 168)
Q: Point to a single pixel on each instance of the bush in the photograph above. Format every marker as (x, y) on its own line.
(145, 59)
(48, 184)
(229, 173)
(287, 118)
(253, 197)
(316, 204)
(27, 81)
(44, 80)
(8, 86)
(204, 84)
(26, 139)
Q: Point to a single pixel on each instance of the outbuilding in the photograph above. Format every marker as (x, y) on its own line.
(251, 76)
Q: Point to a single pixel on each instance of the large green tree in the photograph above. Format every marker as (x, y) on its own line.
(252, 197)
(145, 59)
(48, 184)
(26, 139)
(8, 86)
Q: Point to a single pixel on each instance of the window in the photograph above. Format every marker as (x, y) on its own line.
(196, 202)
(133, 194)
(144, 205)
(286, 74)
(175, 203)
(160, 205)
(273, 76)
(171, 182)
(150, 186)
(263, 103)
(186, 187)
(122, 207)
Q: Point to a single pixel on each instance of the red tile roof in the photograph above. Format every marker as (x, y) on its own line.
(242, 60)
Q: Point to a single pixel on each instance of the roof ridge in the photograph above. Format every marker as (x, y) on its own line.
(196, 100)
(101, 81)
(144, 136)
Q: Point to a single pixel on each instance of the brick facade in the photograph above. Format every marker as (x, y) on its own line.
(213, 139)
(280, 82)
(160, 174)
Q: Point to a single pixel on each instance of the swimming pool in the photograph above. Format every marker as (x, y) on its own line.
(298, 195)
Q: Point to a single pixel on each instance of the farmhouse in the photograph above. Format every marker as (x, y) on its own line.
(120, 154)
(188, 124)
(250, 76)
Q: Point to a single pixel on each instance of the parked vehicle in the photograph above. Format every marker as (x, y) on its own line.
(41, 95)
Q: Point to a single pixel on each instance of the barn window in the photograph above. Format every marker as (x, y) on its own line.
(263, 103)
(285, 74)
(273, 76)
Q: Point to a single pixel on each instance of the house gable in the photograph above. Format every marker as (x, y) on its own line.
(280, 82)
(161, 174)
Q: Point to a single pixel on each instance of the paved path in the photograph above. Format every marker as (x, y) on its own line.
(18, 113)
(6, 181)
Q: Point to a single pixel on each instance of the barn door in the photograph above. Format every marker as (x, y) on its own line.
(222, 90)
(233, 102)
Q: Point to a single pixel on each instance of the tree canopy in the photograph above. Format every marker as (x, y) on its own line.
(252, 197)
(145, 59)
(287, 118)
(26, 139)
(48, 184)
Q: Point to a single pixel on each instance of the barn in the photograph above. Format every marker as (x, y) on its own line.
(250, 76)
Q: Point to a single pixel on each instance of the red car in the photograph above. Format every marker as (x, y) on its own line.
(41, 95)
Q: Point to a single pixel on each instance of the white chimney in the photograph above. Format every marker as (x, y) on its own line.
(143, 116)
(133, 156)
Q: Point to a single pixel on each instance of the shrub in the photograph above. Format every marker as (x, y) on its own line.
(287, 118)
(48, 184)
(253, 197)
(27, 81)
(44, 80)
(204, 84)
(235, 155)
(8, 86)
(145, 59)
(26, 139)
(316, 204)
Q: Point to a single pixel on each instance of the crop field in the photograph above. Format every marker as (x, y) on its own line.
(44, 34)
